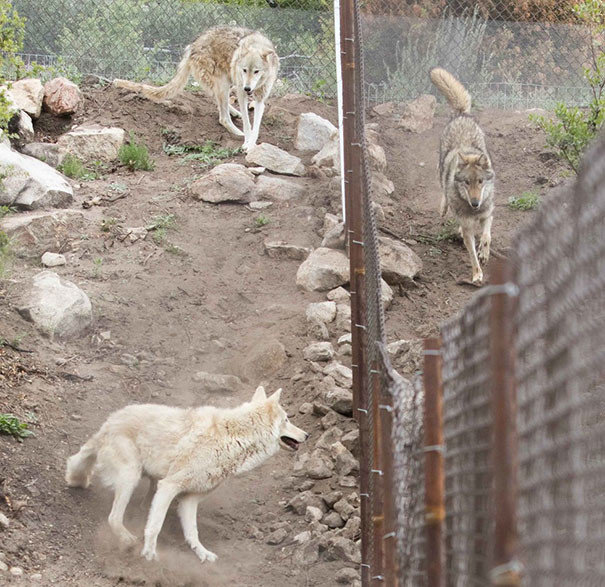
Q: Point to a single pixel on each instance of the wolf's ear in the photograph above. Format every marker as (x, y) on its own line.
(270, 57)
(275, 397)
(462, 160)
(259, 395)
(483, 162)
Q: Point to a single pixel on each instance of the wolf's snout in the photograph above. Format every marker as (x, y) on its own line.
(247, 89)
(475, 203)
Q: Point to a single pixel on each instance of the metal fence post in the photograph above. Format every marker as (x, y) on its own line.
(505, 569)
(434, 462)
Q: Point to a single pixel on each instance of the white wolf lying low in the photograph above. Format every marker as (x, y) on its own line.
(189, 452)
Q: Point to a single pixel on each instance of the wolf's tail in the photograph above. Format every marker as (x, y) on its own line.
(455, 93)
(165, 92)
(79, 466)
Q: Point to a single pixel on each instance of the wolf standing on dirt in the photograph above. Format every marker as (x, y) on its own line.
(466, 172)
(189, 451)
(221, 58)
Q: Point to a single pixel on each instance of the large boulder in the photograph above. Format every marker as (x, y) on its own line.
(56, 306)
(329, 156)
(92, 142)
(398, 262)
(48, 153)
(275, 159)
(324, 269)
(217, 382)
(312, 132)
(284, 250)
(277, 189)
(30, 183)
(22, 128)
(61, 96)
(229, 182)
(27, 95)
(418, 114)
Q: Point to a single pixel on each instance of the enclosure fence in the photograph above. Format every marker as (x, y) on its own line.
(490, 469)
(510, 54)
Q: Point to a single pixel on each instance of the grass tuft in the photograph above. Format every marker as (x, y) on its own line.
(135, 155)
(526, 201)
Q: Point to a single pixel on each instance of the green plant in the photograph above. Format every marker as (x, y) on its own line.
(206, 155)
(574, 128)
(160, 225)
(12, 426)
(448, 232)
(108, 223)
(526, 201)
(72, 167)
(261, 221)
(5, 251)
(135, 155)
(97, 265)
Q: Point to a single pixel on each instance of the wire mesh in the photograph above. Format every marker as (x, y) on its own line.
(561, 385)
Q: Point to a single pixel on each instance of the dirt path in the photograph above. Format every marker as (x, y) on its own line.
(205, 297)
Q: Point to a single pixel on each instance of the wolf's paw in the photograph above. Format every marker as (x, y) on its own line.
(149, 553)
(205, 555)
(127, 540)
(478, 277)
(483, 251)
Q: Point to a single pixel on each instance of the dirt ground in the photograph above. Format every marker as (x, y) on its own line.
(207, 298)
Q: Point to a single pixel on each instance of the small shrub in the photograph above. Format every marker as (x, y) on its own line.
(526, 201)
(74, 168)
(12, 426)
(261, 221)
(208, 154)
(135, 155)
(160, 225)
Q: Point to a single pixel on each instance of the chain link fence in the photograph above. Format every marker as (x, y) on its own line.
(510, 54)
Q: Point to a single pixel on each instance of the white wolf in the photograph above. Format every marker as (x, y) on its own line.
(189, 452)
(221, 58)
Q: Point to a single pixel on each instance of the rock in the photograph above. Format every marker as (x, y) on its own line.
(300, 502)
(253, 532)
(384, 109)
(339, 548)
(29, 183)
(343, 317)
(229, 182)
(348, 481)
(418, 114)
(313, 132)
(399, 347)
(61, 96)
(335, 237)
(319, 351)
(339, 294)
(345, 339)
(27, 95)
(4, 521)
(92, 142)
(278, 190)
(378, 210)
(328, 438)
(313, 514)
(21, 125)
(329, 420)
(329, 156)
(306, 408)
(352, 529)
(318, 331)
(16, 571)
(378, 158)
(277, 537)
(323, 269)
(320, 409)
(341, 374)
(307, 554)
(397, 261)
(340, 400)
(48, 153)
(53, 259)
(275, 159)
(381, 186)
(3, 566)
(319, 466)
(136, 233)
(264, 360)
(260, 205)
(331, 498)
(282, 250)
(330, 221)
(351, 442)
(56, 306)
(333, 520)
(347, 575)
(218, 383)
(386, 293)
(344, 462)
(129, 360)
(303, 537)
(33, 233)
(344, 509)
(36, 577)
(256, 170)
(321, 312)
(345, 350)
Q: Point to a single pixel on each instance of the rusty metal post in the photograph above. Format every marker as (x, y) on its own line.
(505, 569)
(434, 469)
(354, 240)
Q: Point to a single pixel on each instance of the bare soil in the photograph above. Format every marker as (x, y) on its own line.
(207, 298)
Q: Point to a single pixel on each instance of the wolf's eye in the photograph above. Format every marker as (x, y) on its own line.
(479, 181)
(256, 71)
(245, 70)
(467, 181)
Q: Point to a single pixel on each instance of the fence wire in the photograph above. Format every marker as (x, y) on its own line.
(509, 54)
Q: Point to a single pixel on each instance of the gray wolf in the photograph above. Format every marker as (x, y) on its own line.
(221, 58)
(188, 451)
(466, 171)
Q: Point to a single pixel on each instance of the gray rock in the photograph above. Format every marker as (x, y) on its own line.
(16, 571)
(92, 142)
(333, 520)
(399, 347)
(378, 158)
(348, 481)
(278, 190)
(48, 153)
(319, 466)
(229, 182)
(330, 222)
(328, 438)
(418, 115)
(330, 420)
(3, 566)
(352, 529)
(338, 295)
(305, 408)
(318, 331)
(313, 132)
(344, 461)
(275, 159)
(345, 339)
(307, 555)
(339, 548)
(53, 259)
(265, 359)
(340, 400)
(335, 237)
(319, 351)
(343, 317)
(22, 125)
(397, 261)
(300, 502)
(324, 269)
(340, 373)
(347, 576)
(303, 537)
(320, 409)
(384, 109)
(329, 156)
(283, 250)
(26, 94)
(321, 312)
(277, 537)
(57, 307)
(313, 514)
(30, 183)
(260, 205)
(344, 509)
(4, 521)
(351, 441)
(218, 383)
(331, 498)
(386, 294)
(381, 185)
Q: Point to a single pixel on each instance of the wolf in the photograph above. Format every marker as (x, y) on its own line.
(221, 58)
(189, 452)
(466, 172)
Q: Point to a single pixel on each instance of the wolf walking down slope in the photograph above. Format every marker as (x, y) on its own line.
(221, 58)
(466, 172)
(189, 452)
